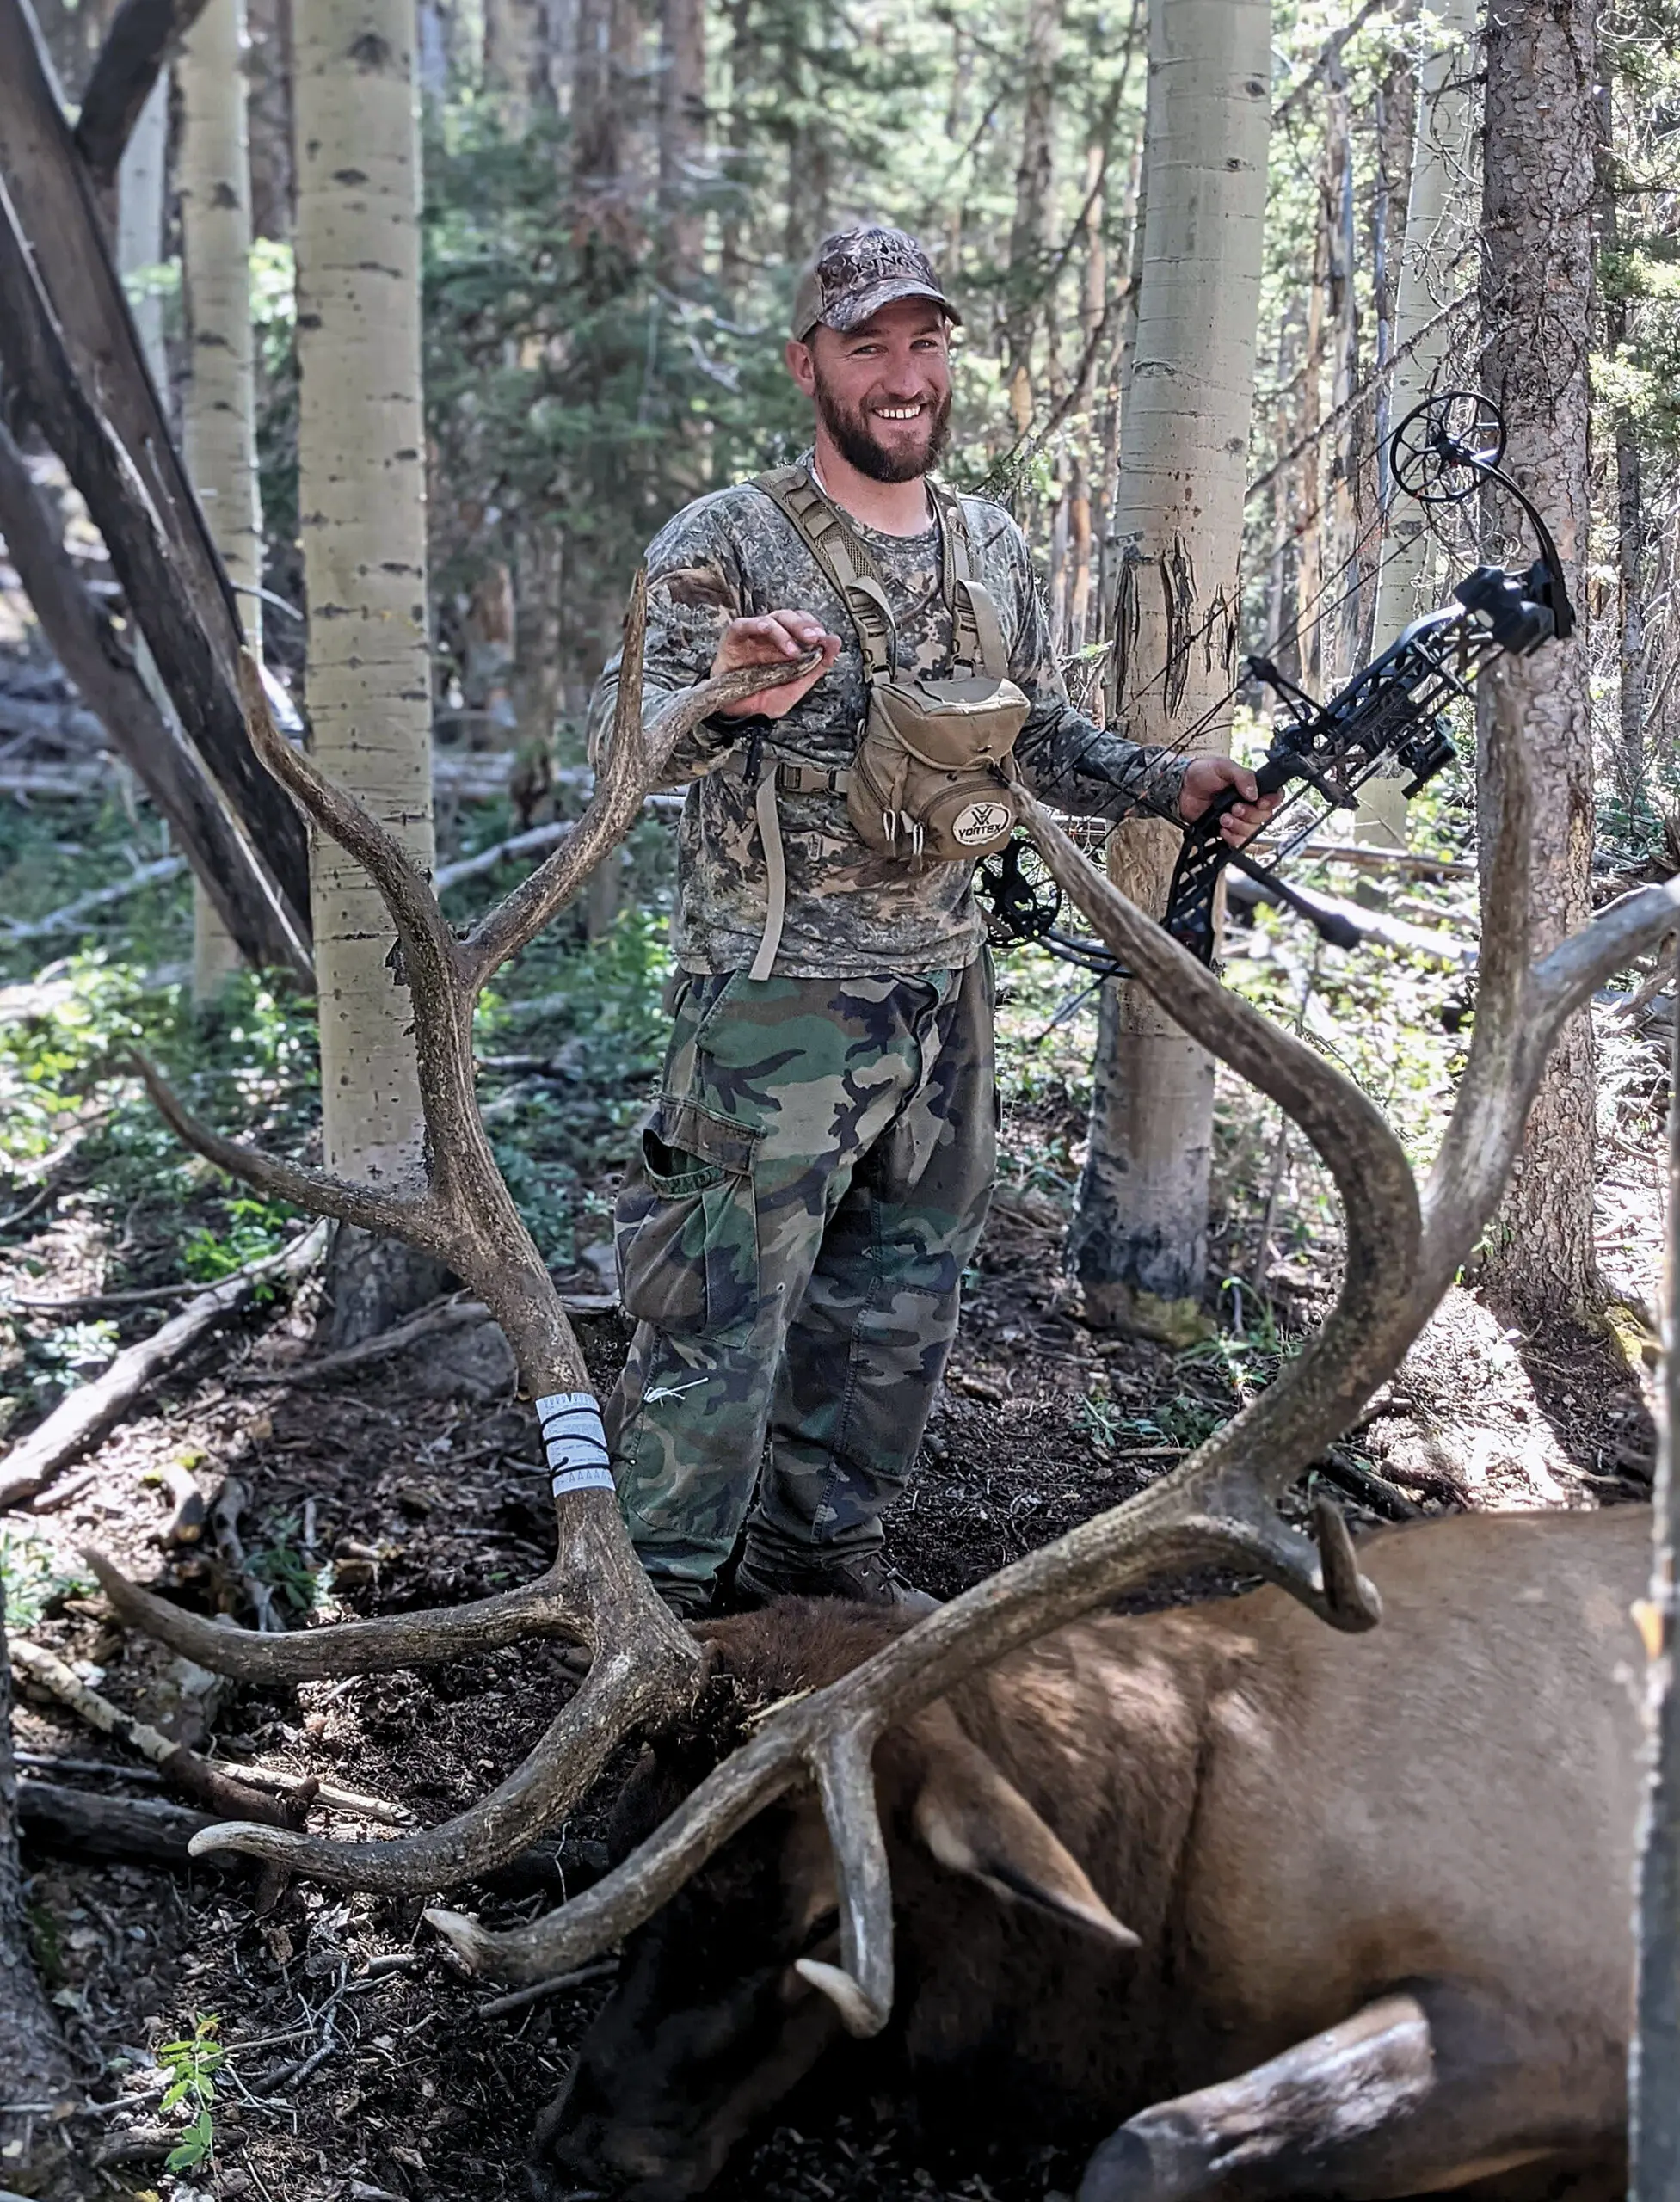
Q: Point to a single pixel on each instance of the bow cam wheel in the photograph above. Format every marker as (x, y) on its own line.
(1020, 900)
(1443, 447)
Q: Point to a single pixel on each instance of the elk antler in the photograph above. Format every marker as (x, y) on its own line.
(1219, 1506)
(644, 1664)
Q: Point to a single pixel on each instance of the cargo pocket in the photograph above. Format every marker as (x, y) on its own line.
(685, 1227)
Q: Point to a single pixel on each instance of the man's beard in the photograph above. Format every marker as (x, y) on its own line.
(856, 443)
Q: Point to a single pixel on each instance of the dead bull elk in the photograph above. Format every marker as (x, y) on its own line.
(1312, 1916)
(1219, 1507)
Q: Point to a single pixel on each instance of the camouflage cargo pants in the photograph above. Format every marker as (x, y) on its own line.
(792, 1237)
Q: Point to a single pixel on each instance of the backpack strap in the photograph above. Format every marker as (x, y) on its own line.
(976, 637)
(850, 571)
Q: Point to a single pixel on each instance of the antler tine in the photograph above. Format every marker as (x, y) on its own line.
(636, 762)
(351, 1647)
(428, 947)
(627, 1686)
(318, 1190)
(645, 1665)
(1520, 1008)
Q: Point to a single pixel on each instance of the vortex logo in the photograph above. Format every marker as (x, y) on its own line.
(980, 822)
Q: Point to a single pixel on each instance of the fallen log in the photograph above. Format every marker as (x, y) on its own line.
(83, 1418)
(147, 1831)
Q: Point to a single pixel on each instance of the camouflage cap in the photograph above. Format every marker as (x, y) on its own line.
(857, 272)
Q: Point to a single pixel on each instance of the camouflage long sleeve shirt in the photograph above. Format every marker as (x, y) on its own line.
(850, 912)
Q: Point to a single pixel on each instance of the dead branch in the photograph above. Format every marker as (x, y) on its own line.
(143, 36)
(224, 1517)
(144, 1829)
(99, 657)
(185, 1770)
(80, 1420)
(73, 359)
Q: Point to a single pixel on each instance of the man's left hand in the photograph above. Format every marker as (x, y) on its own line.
(1208, 777)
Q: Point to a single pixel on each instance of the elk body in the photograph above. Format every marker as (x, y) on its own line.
(1298, 1914)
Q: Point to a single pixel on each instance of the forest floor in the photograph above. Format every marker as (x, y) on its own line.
(359, 2062)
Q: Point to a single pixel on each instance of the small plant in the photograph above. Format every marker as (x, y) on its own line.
(255, 1229)
(190, 2065)
(283, 1565)
(34, 1579)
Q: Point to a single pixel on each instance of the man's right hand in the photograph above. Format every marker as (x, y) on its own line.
(765, 640)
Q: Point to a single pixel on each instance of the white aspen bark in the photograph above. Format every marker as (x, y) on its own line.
(362, 501)
(1138, 1244)
(218, 404)
(1433, 273)
(140, 182)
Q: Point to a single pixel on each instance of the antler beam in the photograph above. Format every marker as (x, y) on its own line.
(645, 1665)
(1218, 1505)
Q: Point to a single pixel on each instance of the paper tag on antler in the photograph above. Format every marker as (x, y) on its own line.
(571, 1427)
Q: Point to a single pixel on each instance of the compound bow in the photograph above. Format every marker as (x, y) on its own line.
(1389, 716)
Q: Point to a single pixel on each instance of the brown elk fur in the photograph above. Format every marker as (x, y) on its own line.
(1292, 1825)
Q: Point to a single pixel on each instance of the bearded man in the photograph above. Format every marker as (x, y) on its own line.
(812, 1180)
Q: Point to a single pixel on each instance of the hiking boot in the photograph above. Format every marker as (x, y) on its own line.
(687, 1601)
(866, 1578)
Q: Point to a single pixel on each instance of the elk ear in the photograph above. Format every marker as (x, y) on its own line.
(976, 1823)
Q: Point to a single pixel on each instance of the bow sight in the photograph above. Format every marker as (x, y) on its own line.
(1389, 719)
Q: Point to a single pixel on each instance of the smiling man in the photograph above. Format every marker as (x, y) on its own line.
(811, 1183)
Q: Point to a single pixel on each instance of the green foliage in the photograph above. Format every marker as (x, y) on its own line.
(255, 1229)
(281, 1562)
(190, 2066)
(34, 1580)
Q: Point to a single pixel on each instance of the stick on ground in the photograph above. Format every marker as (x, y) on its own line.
(82, 1419)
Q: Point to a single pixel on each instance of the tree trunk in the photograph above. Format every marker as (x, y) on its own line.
(1139, 1242)
(1429, 278)
(1537, 281)
(362, 495)
(140, 192)
(218, 404)
(1655, 2075)
(1028, 235)
(35, 2064)
(516, 61)
(268, 118)
(682, 131)
(605, 109)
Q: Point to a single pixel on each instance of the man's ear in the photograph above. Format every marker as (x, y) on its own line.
(975, 1823)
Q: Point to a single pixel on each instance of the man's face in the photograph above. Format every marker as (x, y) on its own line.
(882, 391)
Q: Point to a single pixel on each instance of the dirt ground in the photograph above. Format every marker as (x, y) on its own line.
(360, 2063)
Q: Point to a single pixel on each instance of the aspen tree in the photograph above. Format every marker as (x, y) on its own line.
(140, 182)
(1139, 1236)
(218, 403)
(1430, 279)
(362, 502)
(1538, 201)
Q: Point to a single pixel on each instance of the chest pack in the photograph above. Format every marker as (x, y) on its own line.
(932, 777)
